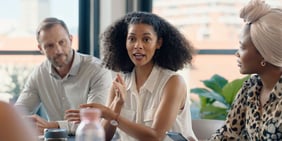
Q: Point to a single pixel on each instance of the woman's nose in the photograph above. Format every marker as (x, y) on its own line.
(237, 53)
(138, 45)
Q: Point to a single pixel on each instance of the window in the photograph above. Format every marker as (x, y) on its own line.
(18, 46)
(213, 27)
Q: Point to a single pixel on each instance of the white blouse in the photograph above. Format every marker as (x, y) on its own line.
(141, 107)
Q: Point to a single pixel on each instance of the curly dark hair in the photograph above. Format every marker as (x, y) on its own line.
(174, 53)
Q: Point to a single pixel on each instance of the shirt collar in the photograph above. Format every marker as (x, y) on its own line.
(75, 64)
(277, 90)
(275, 93)
(150, 82)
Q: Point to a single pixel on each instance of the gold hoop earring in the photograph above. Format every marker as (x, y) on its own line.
(262, 63)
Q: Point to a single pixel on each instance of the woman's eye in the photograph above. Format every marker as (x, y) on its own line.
(146, 39)
(131, 39)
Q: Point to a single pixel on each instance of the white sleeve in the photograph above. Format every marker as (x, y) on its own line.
(69, 126)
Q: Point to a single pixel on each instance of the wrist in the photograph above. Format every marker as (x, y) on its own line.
(54, 124)
(118, 101)
(115, 120)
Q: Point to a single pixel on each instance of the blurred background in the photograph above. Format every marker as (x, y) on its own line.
(213, 26)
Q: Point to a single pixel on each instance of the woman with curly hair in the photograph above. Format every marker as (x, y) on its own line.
(256, 113)
(149, 98)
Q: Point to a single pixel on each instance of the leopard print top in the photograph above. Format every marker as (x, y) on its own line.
(246, 121)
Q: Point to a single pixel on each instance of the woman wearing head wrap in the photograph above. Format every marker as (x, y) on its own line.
(256, 113)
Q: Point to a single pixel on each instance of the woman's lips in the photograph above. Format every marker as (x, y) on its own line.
(138, 56)
(239, 64)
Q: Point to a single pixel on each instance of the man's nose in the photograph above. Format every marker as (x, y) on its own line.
(59, 49)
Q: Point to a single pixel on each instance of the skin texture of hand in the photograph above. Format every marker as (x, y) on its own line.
(119, 89)
(72, 115)
(41, 123)
(106, 113)
(118, 93)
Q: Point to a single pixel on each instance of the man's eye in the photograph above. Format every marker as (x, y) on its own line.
(49, 46)
(62, 42)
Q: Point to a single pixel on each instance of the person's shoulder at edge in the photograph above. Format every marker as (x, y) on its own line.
(16, 129)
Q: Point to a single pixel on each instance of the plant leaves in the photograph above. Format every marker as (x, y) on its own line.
(216, 83)
(231, 89)
(208, 94)
(206, 101)
(212, 108)
(213, 112)
(221, 81)
(199, 90)
(218, 90)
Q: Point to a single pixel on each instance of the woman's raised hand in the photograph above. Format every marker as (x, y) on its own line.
(119, 89)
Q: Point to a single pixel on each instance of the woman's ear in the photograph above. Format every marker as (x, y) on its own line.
(159, 43)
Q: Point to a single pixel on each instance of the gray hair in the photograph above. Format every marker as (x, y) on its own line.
(48, 23)
(265, 29)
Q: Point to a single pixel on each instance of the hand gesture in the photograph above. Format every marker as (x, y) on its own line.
(41, 123)
(119, 89)
(72, 116)
(104, 110)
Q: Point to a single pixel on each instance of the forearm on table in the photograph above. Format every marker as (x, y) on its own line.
(138, 131)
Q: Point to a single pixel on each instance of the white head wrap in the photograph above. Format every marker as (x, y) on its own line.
(265, 29)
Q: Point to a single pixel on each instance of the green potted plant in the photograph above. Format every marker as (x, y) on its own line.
(216, 99)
